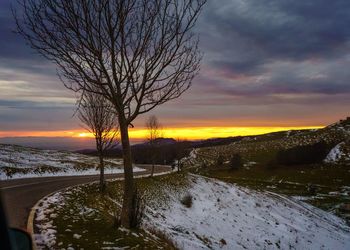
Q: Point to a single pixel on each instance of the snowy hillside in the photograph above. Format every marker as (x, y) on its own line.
(225, 216)
(263, 148)
(23, 162)
(218, 216)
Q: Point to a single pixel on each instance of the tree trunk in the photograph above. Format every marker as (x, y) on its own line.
(128, 196)
(102, 173)
(152, 172)
(153, 160)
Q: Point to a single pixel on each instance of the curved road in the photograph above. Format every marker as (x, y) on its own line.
(20, 195)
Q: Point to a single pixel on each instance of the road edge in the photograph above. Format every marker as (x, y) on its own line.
(30, 221)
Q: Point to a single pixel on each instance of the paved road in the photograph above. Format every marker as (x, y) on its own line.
(20, 195)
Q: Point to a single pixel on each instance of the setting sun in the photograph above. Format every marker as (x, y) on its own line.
(85, 135)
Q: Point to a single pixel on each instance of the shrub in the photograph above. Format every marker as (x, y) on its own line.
(187, 200)
(236, 161)
(312, 189)
(272, 164)
(220, 160)
(306, 154)
(223, 242)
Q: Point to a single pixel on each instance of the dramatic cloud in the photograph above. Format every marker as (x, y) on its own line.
(265, 62)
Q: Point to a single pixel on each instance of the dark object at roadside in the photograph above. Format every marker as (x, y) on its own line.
(173, 165)
(20, 239)
(13, 238)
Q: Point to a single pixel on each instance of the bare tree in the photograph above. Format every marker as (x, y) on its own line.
(98, 116)
(137, 54)
(154, 133)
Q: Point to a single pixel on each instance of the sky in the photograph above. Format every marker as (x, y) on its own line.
(268, 65)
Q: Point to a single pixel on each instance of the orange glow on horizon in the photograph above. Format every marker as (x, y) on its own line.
(191, 133)
(84, 134)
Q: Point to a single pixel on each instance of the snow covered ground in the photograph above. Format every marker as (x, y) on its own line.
(338, 153)
(222, 216)
(44, 215)
(22, 162)
(225, 216)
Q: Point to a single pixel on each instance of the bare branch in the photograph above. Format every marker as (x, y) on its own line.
(99, 118)
(137, 53)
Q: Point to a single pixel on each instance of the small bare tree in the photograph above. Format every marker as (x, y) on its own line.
(137, 54)
(99, 118)
(180, 153)
(154, 133)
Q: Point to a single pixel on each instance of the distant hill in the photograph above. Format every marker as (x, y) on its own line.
(260, 148)
(168, 149)
(263, 149)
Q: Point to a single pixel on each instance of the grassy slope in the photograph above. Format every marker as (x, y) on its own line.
(331, 182)
(96, 225)
(221, 217)
(292, 180)
(85, 219)
(263, 148)
(260, 149)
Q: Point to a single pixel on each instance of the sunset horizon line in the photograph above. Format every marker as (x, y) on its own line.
(182, 133)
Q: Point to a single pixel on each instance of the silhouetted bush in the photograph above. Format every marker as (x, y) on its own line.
(312, 189)
(223, 242)
(187, 200)
(166, 154)
(307, 154)
(220, 160)
(236, 161)
(272, 164)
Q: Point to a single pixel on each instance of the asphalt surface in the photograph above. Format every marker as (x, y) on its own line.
(20, 195)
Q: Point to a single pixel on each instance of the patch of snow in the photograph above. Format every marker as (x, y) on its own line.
(76, 236)
(22, 162)
(250, 163)
(46, 237)
(335, 154)
(301, 198)
(188, 159)
(71, 172)
(193, 154)
(225, 216)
